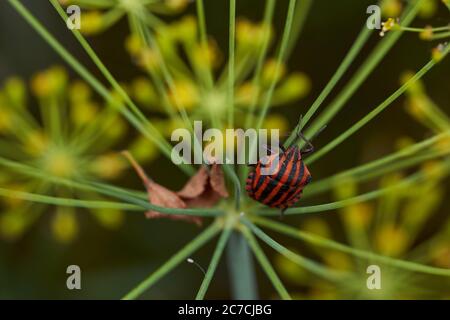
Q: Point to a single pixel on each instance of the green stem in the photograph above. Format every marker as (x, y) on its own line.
(280, 60)
(256, 80)
(330, 244)
(392, 162)
(364, 71)
(266, 266)
(242, 272)
(111, 191)
(343, 67)
(347, 202)
(267, 21)
(301, 12)
(175, 260)
(214, 261)
(441, 35)
(66, 202)
(154, 136)
(236, 183)
(204, 37)
(231, 53)
(303, 262)
(371, 115)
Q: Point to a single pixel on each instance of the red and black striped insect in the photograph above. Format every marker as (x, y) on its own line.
(283, 188)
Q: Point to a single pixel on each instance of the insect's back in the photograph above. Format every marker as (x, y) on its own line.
(283, 188)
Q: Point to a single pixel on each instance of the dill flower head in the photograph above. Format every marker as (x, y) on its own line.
(63, 133)
(199, 84)
(99, 17)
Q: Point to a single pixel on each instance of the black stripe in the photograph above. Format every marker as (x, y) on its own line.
(301, 175)
(260, 180)
(296, 159)
(295, 188)
(269, 188)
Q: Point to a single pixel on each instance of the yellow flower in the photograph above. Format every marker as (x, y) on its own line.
(437, 53)
(83, 113)
(246, 93)
(276, 121)
(108, 166)
(91, 22)
(176, 5)
(12, 225)
(250, 36)
(391, 240)
(441, 255)
(109, 218)
(290, 270)
(60, 163)
(443, 144)
(143, 91)
(36, 143)
(185, 30)
(148, 59)
(317, 226)
(269, 71)
(79, 92)
(6, 119)
(427, 34)
(143, 150)
(345, 188)
(358, 216)
(296, 86)
(49, 82)
(15, 90)
(391, 8)
(338, 260)
(206, 57)
(388, 25)
(133, 45)
(184, 95)
(428, 8)
(434, 169)
(64, 225)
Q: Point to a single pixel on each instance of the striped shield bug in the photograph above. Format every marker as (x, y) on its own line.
(284, 187)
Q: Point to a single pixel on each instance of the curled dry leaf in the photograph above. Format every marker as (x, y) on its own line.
(203, 190)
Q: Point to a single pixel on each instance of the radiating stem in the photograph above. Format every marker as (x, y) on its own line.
(204, 37)
(415, 178)
(364, 71)
(67, 202)
(371, 115)
(241, 268)
(153, 135)
(175, 260)
(392, 162)
(303, 262)
(343, 67)
(214, 261)
(280, 60)
(111, 191)
(231, 61)
(301, 12)
(330, 244)
(266, 266)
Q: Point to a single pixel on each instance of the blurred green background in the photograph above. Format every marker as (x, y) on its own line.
(112, 262)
